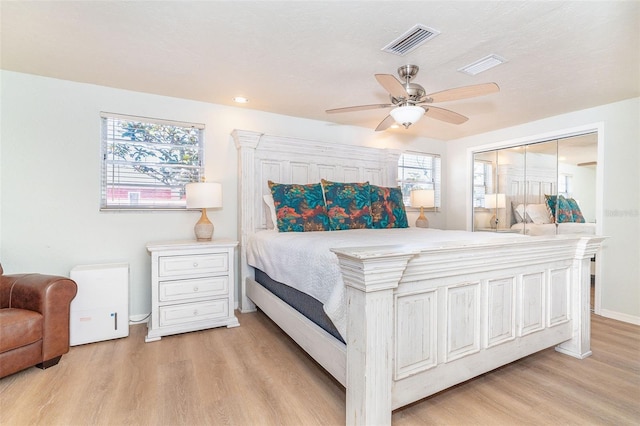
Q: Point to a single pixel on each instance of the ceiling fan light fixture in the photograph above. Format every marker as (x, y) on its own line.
(407, 115)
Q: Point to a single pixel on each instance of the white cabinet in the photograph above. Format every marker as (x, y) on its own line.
(192, 287)
(100, 310)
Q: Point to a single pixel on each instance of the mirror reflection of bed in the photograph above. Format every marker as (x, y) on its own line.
(541, 188)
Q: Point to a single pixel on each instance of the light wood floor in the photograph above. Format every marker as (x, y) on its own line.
(255, 375)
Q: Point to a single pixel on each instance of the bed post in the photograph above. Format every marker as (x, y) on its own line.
(580, 344)
(370, 280)
(246, 144)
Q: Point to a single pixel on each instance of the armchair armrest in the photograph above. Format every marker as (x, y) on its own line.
(49, 295)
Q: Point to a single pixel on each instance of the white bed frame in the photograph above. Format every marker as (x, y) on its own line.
(418, 321)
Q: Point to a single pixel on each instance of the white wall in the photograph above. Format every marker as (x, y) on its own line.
(50, 179)
(583, 180)
(617, 199)
(50, 174)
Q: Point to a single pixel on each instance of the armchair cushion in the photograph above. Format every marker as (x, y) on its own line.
(19, 327)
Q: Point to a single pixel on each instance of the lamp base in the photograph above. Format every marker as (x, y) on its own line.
(422, 221)
(203, 228)
(493, 222)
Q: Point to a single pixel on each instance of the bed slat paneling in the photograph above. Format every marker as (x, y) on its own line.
(501, 318)
(416, 331)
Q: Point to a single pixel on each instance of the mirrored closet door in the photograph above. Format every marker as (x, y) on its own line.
(540, 188)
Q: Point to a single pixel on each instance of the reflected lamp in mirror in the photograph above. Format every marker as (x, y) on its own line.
(422, 198)
(204, 195)
(494, 202)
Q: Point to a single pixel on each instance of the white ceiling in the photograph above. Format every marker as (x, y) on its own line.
(300, 58)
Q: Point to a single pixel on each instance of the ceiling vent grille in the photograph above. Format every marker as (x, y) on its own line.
(483, 64)
(410, 40)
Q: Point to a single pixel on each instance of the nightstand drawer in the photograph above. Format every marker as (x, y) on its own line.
(194, 288)
(193, 312)
(170, 266)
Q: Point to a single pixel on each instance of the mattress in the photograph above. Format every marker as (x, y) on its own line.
(301, 302)
(550, 228)
(304, 260)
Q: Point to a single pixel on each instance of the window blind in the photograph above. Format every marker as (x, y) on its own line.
(147, 162)
(419, 171)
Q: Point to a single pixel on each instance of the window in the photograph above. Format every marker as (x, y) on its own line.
(147, 162)
(482, 181)
(564, 185)
(419, 171)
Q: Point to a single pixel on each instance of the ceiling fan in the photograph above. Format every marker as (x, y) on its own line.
(410, 101)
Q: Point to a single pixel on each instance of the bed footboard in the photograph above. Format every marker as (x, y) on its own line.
(420, 321)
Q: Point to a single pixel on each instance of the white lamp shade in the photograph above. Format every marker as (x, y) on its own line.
(204, 195)
(407, 115)
(423, 198)
(493, 201)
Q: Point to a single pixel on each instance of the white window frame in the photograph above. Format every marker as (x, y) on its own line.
(565, 185)
(486, 175)
(420, 170)
(153, 164)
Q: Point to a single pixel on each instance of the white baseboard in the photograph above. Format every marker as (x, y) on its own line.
(620, 316)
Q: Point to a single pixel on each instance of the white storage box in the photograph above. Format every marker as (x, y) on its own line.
(100, 310)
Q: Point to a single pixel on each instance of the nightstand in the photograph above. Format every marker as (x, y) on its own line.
(192, 287)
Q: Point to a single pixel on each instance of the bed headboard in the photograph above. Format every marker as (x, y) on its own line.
(292, 160)
(526, 190)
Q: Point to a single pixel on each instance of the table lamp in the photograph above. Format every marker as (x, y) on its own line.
(204, 195)
(422, 198)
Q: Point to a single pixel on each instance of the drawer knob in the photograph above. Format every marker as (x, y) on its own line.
(195, 264)
(195, 288)
(195, 312)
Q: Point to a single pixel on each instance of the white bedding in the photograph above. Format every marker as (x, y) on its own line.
(534, 229)
(303, 260)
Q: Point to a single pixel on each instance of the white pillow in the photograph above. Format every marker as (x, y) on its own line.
(538, 214)
(519, 213)
(272, 219)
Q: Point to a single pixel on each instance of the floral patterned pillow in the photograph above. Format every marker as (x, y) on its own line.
(551, 202)
(299, 208)
(559, 208)
(563, 211)
(387, 208)
(575, 211)
(348, 205)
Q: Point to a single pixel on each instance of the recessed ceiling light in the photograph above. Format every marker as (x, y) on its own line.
(240, 99)
(483, 64)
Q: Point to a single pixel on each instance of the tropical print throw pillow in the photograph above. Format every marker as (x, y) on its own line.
(387, 208)
(348, 205)
(576, 213)
(299, 208)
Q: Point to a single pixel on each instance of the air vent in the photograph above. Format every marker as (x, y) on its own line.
(412, 39)
(483, 64)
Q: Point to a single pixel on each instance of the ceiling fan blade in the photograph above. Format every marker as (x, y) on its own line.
(385, 124)
(359, 108)
(444, 115)
(392, 85)
(464, 92)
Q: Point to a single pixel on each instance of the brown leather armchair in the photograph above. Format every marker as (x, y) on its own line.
(34, 320)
